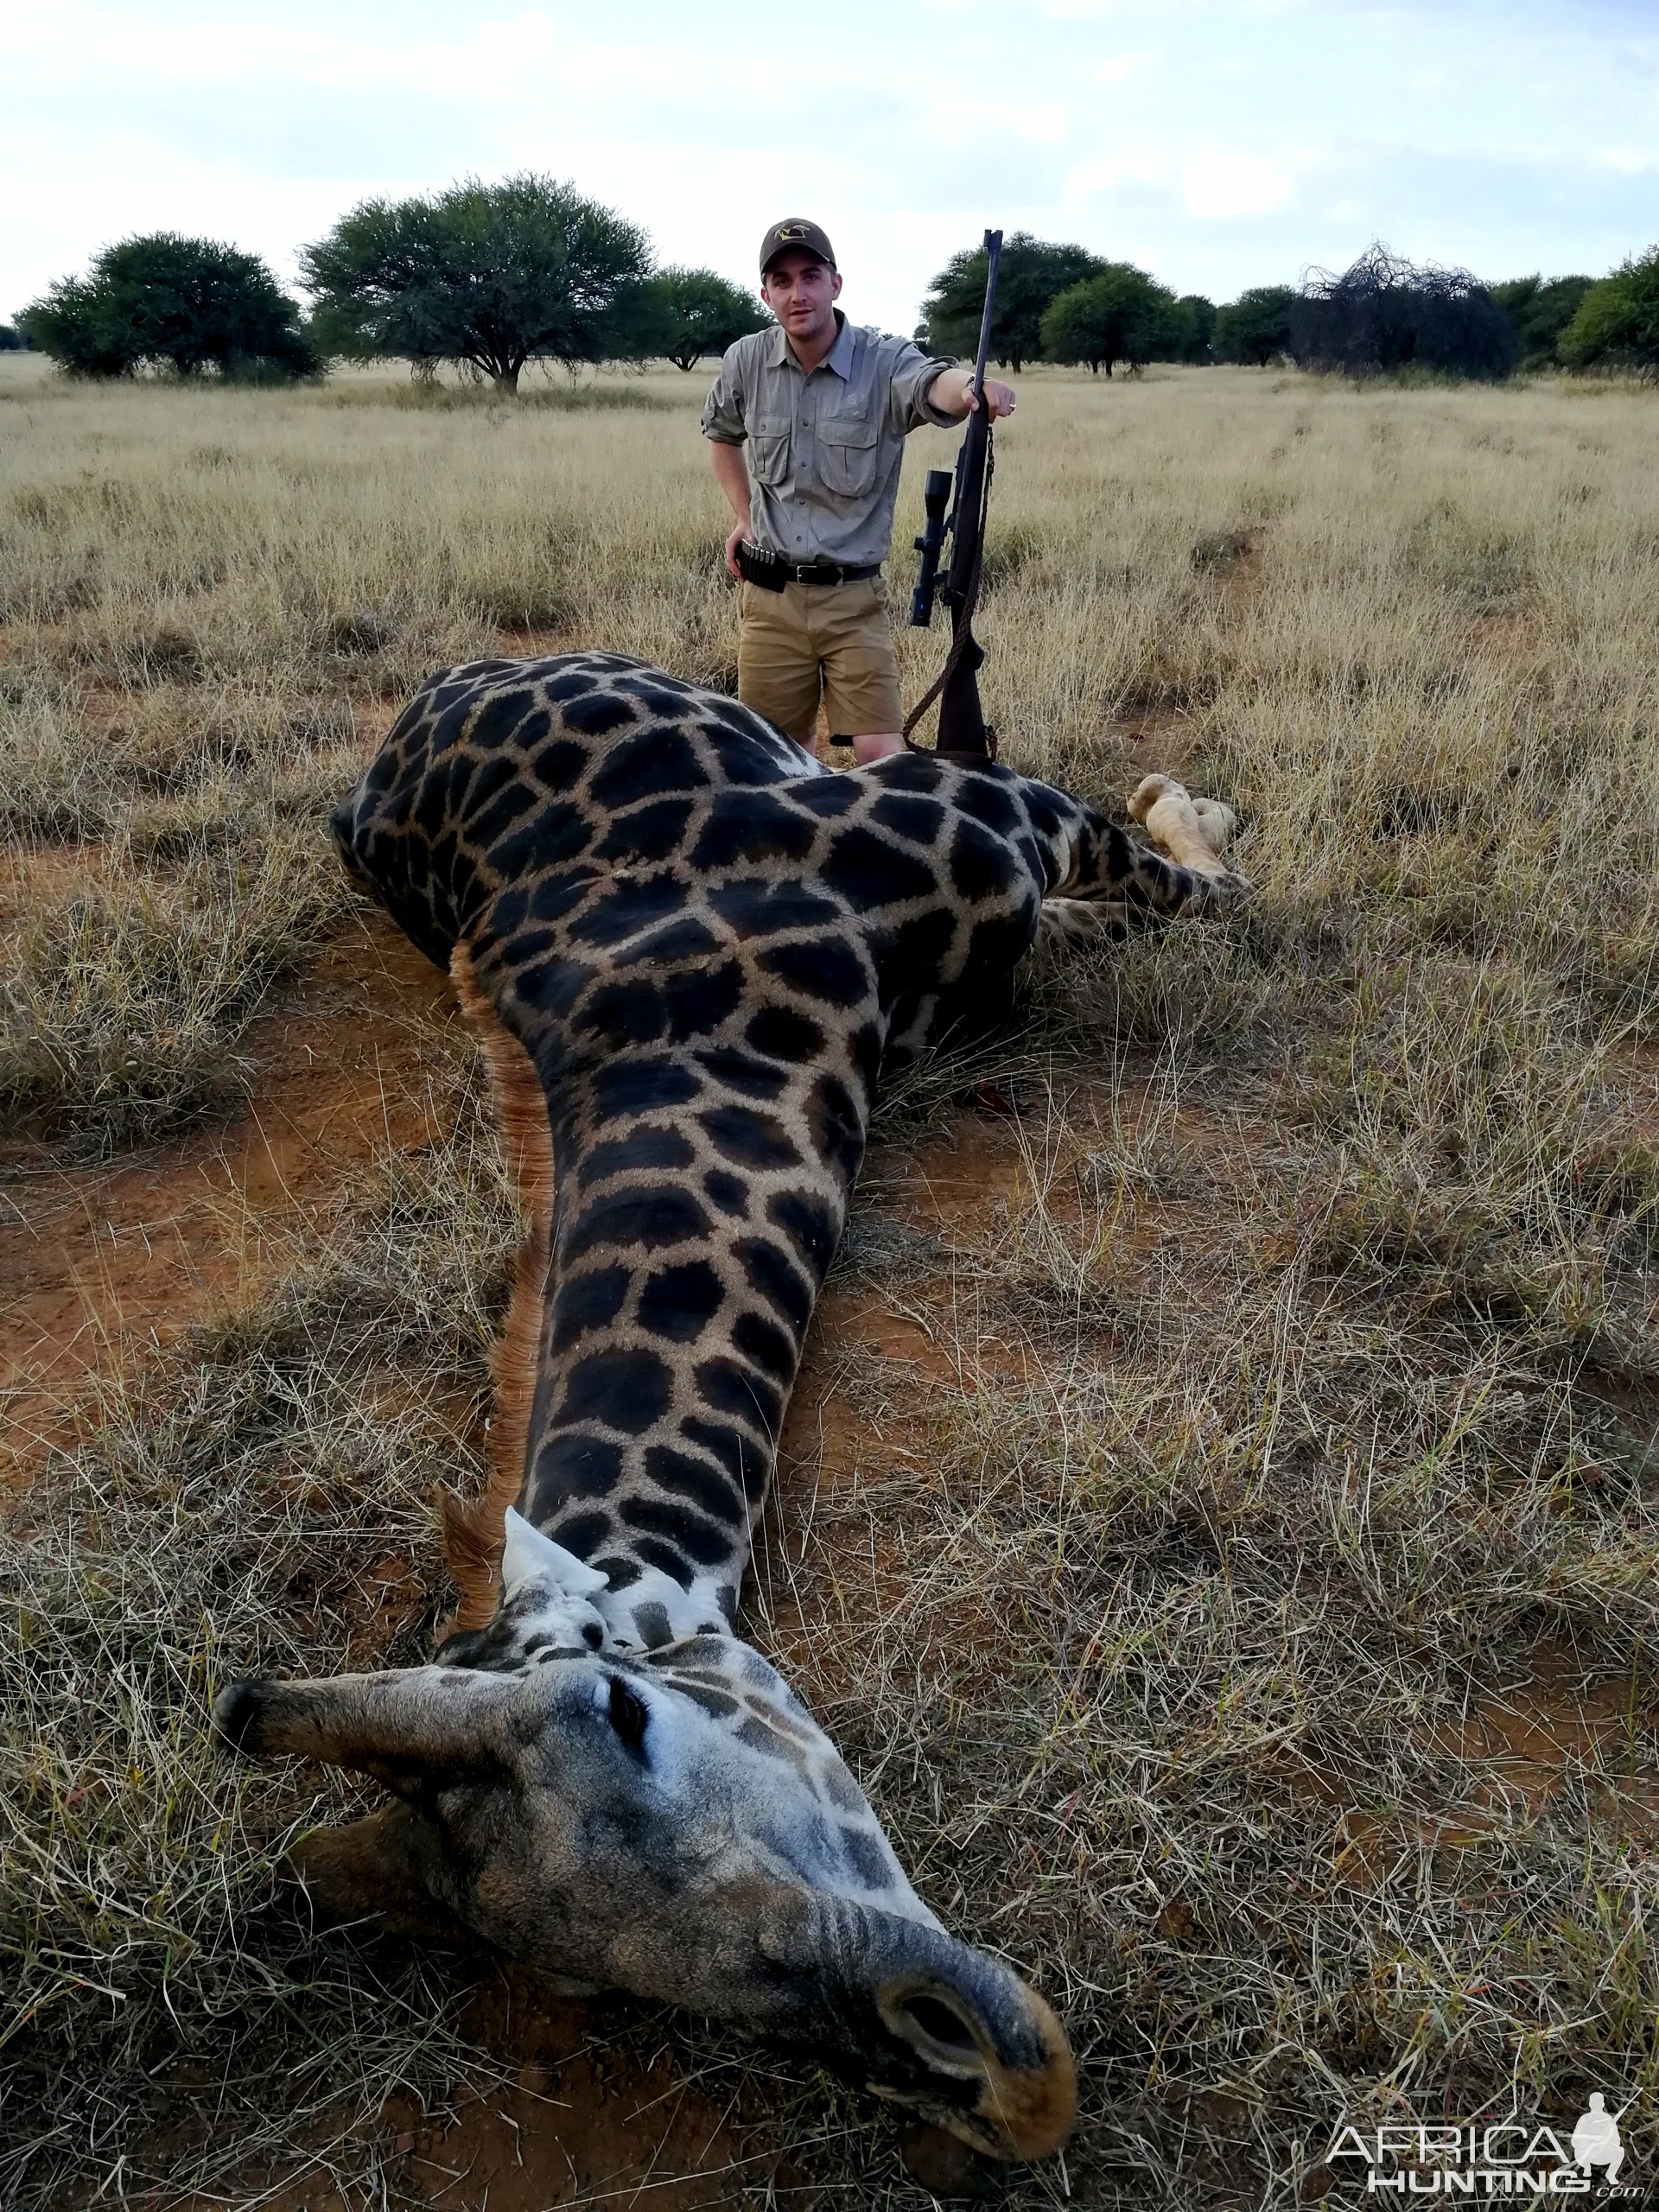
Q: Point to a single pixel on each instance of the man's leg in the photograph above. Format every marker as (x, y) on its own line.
(861, 669)
(777, 664)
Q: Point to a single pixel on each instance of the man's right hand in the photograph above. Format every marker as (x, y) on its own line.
(732, 544)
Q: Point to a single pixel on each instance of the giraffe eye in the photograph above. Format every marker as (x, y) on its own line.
(628, 1713)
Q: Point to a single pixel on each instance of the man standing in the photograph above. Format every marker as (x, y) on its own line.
(824, 407)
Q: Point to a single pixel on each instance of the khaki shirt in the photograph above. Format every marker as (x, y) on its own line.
(825, 449)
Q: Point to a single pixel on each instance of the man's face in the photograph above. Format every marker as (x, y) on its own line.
(801, 291)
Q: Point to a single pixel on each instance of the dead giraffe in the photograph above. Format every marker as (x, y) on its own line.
(688, 950)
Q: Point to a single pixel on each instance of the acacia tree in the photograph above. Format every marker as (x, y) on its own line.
(1384, 314)
(167, 301)
(1030, 273)
(1120, 314)
(489, 275)
(689, 312)
(1256, 326)
(1616, 325)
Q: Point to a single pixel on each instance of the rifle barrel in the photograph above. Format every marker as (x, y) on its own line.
(993, 256)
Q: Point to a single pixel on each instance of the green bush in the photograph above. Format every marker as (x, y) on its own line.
(1616, 325)
(1541, 312)
(178, 303)
(1256, 326)
(1119, 314)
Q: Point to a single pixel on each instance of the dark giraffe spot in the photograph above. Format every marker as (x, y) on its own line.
(783, 1035)
(583, 1302)
(743, 1458)
(662, 695)
(656, 761)
(679, 1302)
(1041, 810)
(695, 1480)
(755, 907)
(806, 1222)
(742, 1073)
(867, 1858)
(620, 1574)
(830, 797)
(524, 946)
(644, 1148)
(749, 1138)
(917, 949)
(574, 1465)
(652, 1622)
(626, 1391)
(999, 941)
(867, 872)
(701, 1001)
(684, 939)
(840, 1787)
(646, 833)
(716, 1703)
(979, 864)
(653, 1552)
(556, 896)
(640, 1087)
(728, 1193)
(627, 909)
(655, 1218)
(597, 713)
(559, 763)
(581, 1532)
(692, 1536)
(551, 986)
(755, 1733)
(623, 1012)
(485, 825)
(572, 682)
(759, 827)
(769, 1270)
(829, 970)
(909, 814)
(834, 1125)
(764, 1343)
(728, 1389)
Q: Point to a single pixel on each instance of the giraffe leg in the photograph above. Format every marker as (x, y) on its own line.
(473, 1532)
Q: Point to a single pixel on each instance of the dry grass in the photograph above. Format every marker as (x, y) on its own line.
(1306, 1397)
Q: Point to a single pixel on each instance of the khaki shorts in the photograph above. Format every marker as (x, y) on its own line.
(819, 640)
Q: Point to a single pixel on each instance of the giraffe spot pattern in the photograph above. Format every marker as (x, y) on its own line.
(707, 945)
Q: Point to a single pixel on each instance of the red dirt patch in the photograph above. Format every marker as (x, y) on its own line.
(101, 1264)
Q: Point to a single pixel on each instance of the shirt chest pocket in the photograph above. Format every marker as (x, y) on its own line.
(769, 448)
(849, 449)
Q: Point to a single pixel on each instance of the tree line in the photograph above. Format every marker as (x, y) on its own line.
(490, 277)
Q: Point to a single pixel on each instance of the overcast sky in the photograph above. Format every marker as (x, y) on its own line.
(1217, 142)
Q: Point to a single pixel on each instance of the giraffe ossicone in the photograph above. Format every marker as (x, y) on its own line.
(689, 951)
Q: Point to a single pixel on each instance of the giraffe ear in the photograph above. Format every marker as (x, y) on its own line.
(526, 1552)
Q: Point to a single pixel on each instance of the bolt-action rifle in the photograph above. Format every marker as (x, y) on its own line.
(962, 728)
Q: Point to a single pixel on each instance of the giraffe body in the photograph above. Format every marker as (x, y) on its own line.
(692, 950)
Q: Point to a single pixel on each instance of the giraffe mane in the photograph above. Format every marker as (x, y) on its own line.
(474, 1530)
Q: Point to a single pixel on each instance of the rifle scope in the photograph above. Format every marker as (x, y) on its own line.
(935, 497)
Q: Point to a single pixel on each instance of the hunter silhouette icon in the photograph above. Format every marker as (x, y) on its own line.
(1595, 2139)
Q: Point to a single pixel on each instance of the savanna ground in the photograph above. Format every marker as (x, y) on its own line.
(1219, 1518)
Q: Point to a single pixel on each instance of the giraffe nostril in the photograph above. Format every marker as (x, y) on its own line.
(937, 2020)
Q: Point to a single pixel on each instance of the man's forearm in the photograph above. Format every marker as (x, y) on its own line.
(949, 389)
(732, 474)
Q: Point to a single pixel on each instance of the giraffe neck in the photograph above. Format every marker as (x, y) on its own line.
(700, 1198)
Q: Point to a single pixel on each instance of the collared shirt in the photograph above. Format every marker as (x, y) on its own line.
(825, 449)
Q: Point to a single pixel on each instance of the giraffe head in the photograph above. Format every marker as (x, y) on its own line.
(671, 1822)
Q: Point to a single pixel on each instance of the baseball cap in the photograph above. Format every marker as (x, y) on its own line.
(795, 234)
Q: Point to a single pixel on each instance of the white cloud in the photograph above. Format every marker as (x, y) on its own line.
(1218, 186)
